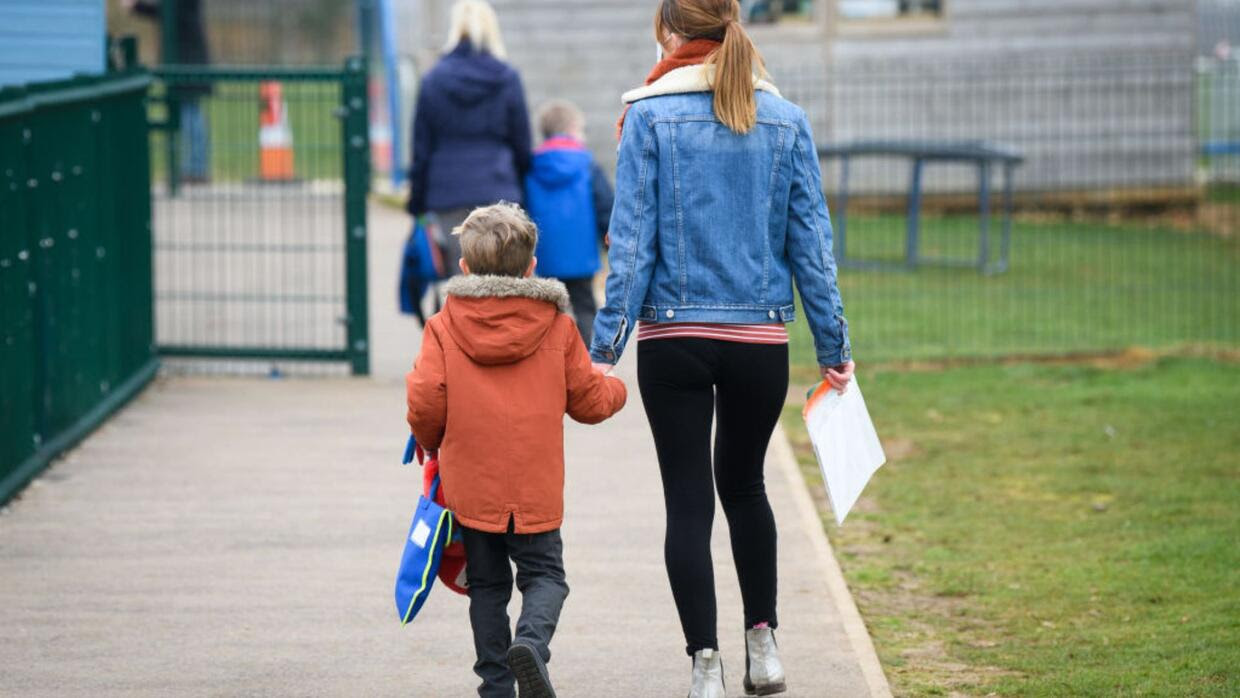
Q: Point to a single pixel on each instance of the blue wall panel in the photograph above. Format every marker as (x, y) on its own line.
(50, 39)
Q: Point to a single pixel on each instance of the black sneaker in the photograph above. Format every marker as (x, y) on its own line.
(531, 672)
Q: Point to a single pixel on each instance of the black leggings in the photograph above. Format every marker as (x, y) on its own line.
(684, 382)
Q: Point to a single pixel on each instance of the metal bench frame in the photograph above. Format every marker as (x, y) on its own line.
(984, 156)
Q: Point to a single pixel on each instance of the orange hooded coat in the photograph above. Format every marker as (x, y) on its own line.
(500, 366)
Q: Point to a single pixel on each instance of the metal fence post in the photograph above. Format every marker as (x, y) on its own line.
(356, 139)
(36, 208)
(366, 28)
(168, 44)
(168, 32)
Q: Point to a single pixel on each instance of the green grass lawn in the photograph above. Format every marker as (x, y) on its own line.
(1051, 530)
(1073, 287)
(233, 121)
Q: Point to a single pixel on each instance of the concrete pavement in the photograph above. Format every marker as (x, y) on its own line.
(225, 537)
(239, 537)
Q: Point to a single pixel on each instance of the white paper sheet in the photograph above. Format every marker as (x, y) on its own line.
(845, 443)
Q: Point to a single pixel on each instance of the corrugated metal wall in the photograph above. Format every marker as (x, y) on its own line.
(50, 39)
(1098, 94)
(1102, 86)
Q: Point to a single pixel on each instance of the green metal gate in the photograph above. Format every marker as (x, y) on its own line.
(75, 264)
(260, 235)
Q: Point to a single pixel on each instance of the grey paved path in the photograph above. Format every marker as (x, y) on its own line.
(239, 537)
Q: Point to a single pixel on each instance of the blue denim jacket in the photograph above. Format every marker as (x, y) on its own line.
(713, 226)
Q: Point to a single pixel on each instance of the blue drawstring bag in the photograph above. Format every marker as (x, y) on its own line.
(420, 266)
(429, 533)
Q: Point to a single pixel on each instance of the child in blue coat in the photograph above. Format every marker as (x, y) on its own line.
(569, 198)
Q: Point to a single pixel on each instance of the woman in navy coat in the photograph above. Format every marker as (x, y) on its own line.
(471, 130)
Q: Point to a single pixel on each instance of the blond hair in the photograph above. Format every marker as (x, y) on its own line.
(498, 239)
(735, 62)
(476, 21)
(560, 116)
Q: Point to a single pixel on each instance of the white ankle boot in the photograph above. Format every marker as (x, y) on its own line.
(707, 675)
(764, 673)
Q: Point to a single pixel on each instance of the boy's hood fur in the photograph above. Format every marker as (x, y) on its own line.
(487, 286)
(691, 78)
(502, 319)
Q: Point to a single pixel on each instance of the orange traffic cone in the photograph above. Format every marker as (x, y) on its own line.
(275, 139)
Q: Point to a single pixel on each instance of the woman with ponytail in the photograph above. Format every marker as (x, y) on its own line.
(719, 207)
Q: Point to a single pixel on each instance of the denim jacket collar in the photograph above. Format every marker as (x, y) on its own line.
(691, 78)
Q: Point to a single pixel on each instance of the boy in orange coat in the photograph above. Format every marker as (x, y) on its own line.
(500, 367)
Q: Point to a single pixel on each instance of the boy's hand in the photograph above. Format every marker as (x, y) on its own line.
(604, 369)
(839, 376)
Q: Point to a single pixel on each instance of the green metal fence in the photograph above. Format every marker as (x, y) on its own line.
(260, 245)
(75, 263)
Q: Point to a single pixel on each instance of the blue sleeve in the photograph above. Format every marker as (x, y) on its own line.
(634, 227)
(423, 141)
(604, 198)
(519, 127)
(810, 253)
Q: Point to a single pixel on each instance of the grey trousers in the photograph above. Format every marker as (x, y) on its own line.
(539, 560)
(449, 244)
(581, 295)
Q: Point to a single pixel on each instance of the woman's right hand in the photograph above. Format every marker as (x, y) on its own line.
(839, 376)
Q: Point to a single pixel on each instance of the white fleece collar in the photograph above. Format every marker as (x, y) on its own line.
(691, 78)
(485, 286)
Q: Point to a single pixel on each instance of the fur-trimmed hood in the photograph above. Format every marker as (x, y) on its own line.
(486, 286)
(691, 78)
(502, 319)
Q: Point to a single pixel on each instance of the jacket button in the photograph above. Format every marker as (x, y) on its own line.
(771, 314)
(671, 314)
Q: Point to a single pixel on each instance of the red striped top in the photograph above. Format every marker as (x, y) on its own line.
(772, 333)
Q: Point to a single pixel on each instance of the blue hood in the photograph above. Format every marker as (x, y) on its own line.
(555, 168)
(560, 199)
(469, 77)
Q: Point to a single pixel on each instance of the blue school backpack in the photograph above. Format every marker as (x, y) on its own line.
(429, 533)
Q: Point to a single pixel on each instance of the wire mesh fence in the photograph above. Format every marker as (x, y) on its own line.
(1123, 234)
(259, 212)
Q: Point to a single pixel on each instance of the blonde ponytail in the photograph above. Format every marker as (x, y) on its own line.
(735, 63)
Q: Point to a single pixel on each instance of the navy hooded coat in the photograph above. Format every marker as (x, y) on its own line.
(471, 134)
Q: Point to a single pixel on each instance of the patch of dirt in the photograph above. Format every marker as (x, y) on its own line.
(1218, 219)
(926, 659)
(1130, 358)
(1182, 214)
(898, 448)
(921, 618)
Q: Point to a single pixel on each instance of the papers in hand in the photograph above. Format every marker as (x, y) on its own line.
(845, 443)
